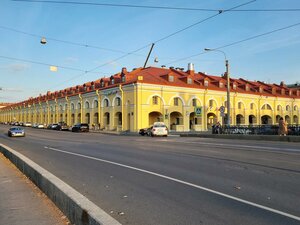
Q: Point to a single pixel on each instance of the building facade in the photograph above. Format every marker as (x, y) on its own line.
(184, 100)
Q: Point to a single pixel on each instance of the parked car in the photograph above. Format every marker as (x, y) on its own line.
(80, 127)
(62, 126)
(16, 132)
(40, 126)
(158, 129)
(27, 124)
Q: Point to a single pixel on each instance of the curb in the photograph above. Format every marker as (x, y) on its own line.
(75, 206)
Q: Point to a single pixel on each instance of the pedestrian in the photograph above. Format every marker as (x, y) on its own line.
(282, 127)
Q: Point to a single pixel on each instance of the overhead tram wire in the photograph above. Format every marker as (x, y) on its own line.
(168, 36)
(237, 42)
(201, 21)
(155, 7)
(43, 64)
(64, 41)
(164, 38)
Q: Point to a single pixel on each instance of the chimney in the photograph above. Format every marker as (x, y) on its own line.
(124, 71)
(190, 69)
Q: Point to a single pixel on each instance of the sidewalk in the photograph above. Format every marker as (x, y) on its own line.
(21, 202)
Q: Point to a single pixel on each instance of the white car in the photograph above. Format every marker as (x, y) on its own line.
(159, 129)
(27, 124)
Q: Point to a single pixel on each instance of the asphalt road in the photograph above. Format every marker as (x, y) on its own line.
(174, 180)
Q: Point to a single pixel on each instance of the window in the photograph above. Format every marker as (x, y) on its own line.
(234, 86)
(211, 103)
(123, 78)
(267, 107)
(78, 106)
(171, 78)
(102, 83)
(194, 102)
(155, 100)
(279, 108)
(206, 83)
(95, 104)
(176, 101)
(118, 101)
(87, 105)
(106, 104)
(112, 81)
(295, 108)
(252, 106)
(221, 84)
(60, 107)
(288, 108)
(72, 106)
(66, 106)
(189, 81)
(239, 105)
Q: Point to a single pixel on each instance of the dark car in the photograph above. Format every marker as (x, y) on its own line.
(80, 127)
(62, 126)
(16, 132)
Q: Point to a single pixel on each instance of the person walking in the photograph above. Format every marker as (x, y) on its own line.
(282, 127)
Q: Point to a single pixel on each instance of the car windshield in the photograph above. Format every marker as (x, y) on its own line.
(15, 128)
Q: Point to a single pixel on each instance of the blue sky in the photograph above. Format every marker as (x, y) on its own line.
(271, 58)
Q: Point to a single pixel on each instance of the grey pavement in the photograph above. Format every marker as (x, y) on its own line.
(21, 202)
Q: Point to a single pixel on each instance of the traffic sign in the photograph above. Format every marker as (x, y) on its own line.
(222, 109)
(198, 111)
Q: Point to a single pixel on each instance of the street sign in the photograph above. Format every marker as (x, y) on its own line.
(198, 111)
(222, 109)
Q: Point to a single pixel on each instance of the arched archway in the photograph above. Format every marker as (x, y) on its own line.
(155, 117)
(176, 121)
(106, 119)
(96, 118)
(252, 120)
(211, 120)
(287, 119)
(277, 118)
(266, 120)
(240, 119)
(295, 119)
(87, 118)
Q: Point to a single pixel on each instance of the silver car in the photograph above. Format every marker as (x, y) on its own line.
(16, 132)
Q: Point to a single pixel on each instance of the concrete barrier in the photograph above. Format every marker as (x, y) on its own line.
(74, 205)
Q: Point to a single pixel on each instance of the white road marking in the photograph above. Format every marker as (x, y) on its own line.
(181, 182)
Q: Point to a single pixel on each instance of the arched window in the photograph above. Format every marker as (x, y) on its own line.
(176, 101)
(72, 106)
(288, 108)
(239, 105)
(106, 104)
(194, 102)
(95, 104)
(252, 106)
(118, 101)
(66, 106)
(295, 108)
(87, 105)
(266, 107)
(279, 108)
(155, 100)
(78, 105)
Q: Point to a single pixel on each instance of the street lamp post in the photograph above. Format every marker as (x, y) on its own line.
(228, 82)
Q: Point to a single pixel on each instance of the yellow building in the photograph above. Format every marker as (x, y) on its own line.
(184, 100)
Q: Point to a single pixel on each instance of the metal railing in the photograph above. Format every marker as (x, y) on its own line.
(255, 130)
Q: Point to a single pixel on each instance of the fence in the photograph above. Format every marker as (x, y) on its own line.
(256, 130)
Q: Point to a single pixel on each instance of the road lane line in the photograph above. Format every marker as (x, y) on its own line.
(181, 182)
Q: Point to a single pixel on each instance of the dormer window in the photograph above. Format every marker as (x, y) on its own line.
(260, 89)
(112, 81)
(221, 85)
(123, 78)
(234, 86)
(206, 83)
(247, 88)
(189, 81)
(102, 83)
(171, 78)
